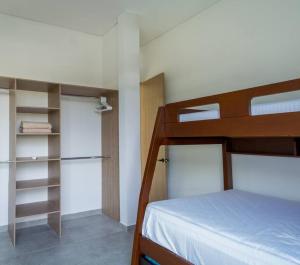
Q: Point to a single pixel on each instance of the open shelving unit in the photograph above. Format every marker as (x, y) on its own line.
(51, 182)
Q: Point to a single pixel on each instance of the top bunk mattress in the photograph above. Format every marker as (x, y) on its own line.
(227, 228)
(291, 105)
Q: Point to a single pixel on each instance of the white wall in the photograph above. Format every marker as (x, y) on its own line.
(232, 45)
(4, 132)
(41, 52)
(110, 59)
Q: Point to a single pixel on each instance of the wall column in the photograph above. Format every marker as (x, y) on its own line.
(129, 116)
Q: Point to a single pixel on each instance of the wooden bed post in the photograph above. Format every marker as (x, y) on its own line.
(156, 142)
(227, 166)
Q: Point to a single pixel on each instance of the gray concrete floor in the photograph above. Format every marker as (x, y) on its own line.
(85, 241)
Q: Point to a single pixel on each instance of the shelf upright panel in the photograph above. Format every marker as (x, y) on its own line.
(54, 149)
(12, 166)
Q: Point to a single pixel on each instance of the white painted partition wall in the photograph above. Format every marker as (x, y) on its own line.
(38, 51)
(129, 114)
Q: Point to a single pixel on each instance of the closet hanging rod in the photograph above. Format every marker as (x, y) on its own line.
(84, 157)
(63, 158)
(81, 96)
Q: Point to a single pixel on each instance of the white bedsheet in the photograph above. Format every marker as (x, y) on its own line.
(256, 109)
(227, 228)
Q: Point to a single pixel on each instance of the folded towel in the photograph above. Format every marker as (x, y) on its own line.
(35, 125)
(37, 130)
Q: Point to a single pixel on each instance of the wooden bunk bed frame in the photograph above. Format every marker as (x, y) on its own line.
(236, 130)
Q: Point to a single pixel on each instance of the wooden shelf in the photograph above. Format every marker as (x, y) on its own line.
(5, 82)
(37, 183)
(39, 159)
(37, 86)
(36, 208)
(37, 110)
(37, 134)
(74, 90)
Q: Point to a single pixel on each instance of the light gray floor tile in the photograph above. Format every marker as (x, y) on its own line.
(85, 241)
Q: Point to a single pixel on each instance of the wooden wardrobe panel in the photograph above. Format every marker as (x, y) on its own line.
(110, 140)
(110, 166)
(152, 97)
(54, 221)
(75, 90)
(12, 166)
(54, 149)
(5, 82)
(34, 85)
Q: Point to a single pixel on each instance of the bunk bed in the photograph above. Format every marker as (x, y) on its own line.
(229, 227)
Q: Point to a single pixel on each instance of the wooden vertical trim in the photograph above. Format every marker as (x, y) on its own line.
(54, 149)
(156, 142)
(54, 195)
(227, 166)
(110, 166)
(54, 221)
(152, 96)
(12, 166)
(54, 93)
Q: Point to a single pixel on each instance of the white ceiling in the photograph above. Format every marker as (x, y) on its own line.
(99, 16)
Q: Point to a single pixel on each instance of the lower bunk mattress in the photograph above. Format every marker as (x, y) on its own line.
(227, 228)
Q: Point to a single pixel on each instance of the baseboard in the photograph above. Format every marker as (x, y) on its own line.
(64, 217)
(129, 228)
(81, 214)
(3, 228)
